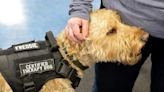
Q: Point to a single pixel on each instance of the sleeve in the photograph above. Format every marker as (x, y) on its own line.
(80, 8)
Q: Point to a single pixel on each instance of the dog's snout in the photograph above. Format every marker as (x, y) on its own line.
(145, 37)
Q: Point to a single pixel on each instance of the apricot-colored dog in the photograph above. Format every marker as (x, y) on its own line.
(109, 40)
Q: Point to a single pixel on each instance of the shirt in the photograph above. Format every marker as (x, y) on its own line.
(147, 14)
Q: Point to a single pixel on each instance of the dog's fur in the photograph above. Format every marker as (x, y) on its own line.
(109, 40)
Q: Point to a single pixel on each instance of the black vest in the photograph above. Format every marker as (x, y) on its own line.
(27, 66)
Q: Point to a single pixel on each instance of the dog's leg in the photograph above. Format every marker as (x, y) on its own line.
(4, 86)
(57, 85)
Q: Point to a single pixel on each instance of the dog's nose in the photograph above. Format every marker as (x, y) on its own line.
(145, 37)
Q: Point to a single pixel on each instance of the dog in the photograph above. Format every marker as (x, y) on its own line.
(109, 40)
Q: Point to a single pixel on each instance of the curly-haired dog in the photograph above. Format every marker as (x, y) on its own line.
(109, 40)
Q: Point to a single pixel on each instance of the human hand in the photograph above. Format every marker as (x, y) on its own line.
(77, 29)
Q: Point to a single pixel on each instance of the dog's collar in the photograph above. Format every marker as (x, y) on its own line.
(74, 61)
(78, 64)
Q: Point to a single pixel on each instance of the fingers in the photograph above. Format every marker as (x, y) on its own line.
(70, 35)
(77, 32)
(77, 29)
(85, 28)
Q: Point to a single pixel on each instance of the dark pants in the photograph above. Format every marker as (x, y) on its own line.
(112, 77)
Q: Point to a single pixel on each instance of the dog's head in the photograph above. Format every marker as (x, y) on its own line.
(111, 40)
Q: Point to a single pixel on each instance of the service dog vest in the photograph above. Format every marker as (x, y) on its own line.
(28, 66)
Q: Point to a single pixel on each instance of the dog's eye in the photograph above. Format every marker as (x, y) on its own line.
(112, 31)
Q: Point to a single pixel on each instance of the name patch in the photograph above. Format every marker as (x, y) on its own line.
(36, 67)
(26, 46)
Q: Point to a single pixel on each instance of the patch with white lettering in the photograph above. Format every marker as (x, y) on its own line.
(26, 46)
(36, 67)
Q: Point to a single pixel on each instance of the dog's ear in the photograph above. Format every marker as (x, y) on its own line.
(111, 31)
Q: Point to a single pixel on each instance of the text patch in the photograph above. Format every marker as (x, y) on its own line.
(36, 66)
(26, 46)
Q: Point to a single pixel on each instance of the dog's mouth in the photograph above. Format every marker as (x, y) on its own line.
(138, 54)
(135, 55)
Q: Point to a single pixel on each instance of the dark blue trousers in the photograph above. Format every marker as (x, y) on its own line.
(112, 77)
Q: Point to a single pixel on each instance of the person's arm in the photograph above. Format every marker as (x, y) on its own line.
(77, 26)
(80, 8)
